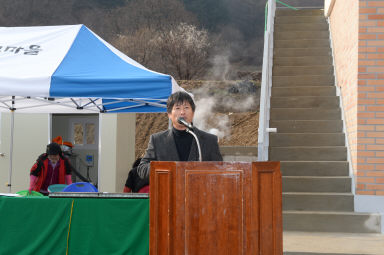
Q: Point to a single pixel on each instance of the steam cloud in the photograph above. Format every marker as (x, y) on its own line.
(218, 124)
(208, 101)
(220, 66)
(206, 120)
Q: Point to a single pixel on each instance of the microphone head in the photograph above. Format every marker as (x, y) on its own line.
(182, 121)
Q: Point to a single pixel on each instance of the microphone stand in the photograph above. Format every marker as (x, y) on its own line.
(189, 126)
(197, 141)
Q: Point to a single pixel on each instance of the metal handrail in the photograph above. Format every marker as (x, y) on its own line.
(266, 81)
(287, 5)
(266, 12)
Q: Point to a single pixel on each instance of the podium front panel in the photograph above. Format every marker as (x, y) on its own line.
(214, 212)
(215, 208)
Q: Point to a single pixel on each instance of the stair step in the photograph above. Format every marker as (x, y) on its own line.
(302, 80)
(307, 126)
(316, 253)
(302, 61)
(307, 91)
(302, 70)
(299, 52)
(308, 201)
(309, 141)
(317, 221)
(300, 19)
(317, 184)
(314, 168)
(305, 102)
(323, 243)
(301, 27)
(306, 153)
(305, 114)
(301, 35)
(301, 43)
(306, 139)
(305, 12)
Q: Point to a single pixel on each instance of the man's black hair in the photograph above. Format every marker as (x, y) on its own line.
(179, 97)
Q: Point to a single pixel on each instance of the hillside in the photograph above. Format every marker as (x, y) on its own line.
(227, 108)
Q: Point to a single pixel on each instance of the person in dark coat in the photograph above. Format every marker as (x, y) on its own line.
(134, 183)
(176, 144)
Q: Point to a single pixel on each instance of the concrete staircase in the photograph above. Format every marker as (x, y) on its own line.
(310, 142)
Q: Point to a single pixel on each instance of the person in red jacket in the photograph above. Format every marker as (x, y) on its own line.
(50, 168)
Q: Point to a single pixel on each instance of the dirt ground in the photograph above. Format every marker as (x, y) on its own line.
(229, 109)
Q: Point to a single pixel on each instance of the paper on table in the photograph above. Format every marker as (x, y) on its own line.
(9, 195)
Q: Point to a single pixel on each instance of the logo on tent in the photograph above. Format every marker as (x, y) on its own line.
(31, 50)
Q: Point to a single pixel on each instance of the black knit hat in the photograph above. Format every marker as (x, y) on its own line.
(53, 149)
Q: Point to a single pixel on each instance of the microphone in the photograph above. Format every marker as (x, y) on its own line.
(182, 121)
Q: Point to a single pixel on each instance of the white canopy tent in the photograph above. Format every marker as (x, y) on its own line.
(69, 69)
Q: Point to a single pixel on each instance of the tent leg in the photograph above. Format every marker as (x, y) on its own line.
(11, 152)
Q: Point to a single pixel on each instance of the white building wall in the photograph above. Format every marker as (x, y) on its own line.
(31, 135)
(116, 150)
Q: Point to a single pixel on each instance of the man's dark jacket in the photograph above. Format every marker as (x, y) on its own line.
(162, 147)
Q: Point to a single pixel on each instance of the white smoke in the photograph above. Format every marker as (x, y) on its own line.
(246, 104)
(206, 120)
(220, 66)
(205, 116)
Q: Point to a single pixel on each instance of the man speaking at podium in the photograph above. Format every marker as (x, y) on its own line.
(183, 142)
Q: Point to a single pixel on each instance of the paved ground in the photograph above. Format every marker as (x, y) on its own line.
(337, 243)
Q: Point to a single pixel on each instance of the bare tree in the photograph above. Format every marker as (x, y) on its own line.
(184, 51)
(152, 14)
(139, 22)
(139, 46)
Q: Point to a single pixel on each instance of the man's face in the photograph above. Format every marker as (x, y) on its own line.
(183, 110)
(54, 158)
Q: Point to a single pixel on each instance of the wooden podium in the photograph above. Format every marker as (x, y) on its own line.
(215, 208)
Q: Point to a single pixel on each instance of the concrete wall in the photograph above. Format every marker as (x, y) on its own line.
(31, 136)
(345, 49)
(237, 153)
(328, 7)
(116, 150)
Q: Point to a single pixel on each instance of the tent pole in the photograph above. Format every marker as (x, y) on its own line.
(99, 152)
(11, 151)
(49, 128)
